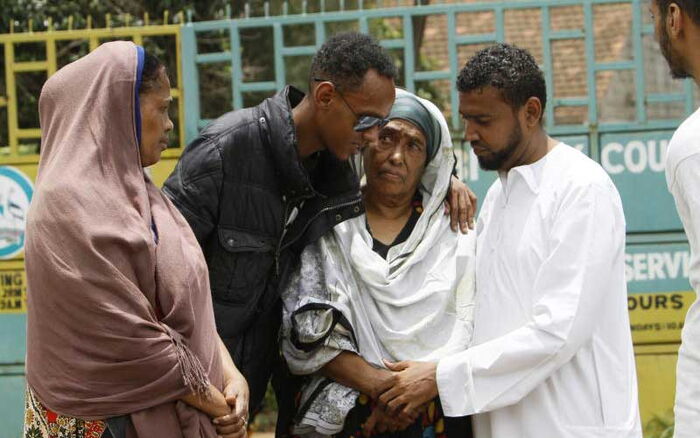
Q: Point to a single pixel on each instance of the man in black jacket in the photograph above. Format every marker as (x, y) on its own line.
(260, 183)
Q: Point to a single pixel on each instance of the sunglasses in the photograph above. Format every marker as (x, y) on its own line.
(363, 122)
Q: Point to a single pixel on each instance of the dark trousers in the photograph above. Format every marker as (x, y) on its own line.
(255, 352)
(116, 427)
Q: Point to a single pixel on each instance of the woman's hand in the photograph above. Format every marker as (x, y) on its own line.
(233, 424)
(350, 369)
(381, 422)
(213, 403)
(237, 394)
(378, 380)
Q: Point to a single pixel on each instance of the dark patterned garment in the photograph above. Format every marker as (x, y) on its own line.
(40, 422)
(431, 424)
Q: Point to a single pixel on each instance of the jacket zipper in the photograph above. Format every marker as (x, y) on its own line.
(280, 247)
(278, 250)
(313, 218)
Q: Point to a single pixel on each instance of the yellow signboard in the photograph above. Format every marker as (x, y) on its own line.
(656, 366)
(658, 316)
(13, 291)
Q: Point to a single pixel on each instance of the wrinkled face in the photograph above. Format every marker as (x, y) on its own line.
(491, 127)
(395, 163)
(373, 98)
(675, 61)
(155, 121)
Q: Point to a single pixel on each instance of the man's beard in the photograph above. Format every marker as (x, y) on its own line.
(496, 160)
(675, 63)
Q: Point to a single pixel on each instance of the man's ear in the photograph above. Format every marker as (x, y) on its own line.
(533, 111)
(674, 21)
(323, 95)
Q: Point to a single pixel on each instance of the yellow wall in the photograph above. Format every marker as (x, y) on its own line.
(656, 372)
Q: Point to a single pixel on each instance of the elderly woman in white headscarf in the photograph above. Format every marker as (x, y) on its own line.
(393, 284)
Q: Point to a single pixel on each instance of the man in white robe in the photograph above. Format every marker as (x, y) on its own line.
(552, 350)
(677, 28)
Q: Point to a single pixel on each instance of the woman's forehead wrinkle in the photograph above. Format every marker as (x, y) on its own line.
(406, 129)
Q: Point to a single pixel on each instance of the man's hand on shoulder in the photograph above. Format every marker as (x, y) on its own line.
(461, 205)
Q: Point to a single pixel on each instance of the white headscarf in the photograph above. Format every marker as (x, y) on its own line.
(417, 303)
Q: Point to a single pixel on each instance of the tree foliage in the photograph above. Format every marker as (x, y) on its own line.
(214, 79)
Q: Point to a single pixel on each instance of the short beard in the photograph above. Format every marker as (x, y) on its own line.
(675, 62)
(496, 160)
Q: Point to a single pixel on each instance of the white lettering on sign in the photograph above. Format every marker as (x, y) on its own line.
(13, 292)
(634, 157)
(657, 265)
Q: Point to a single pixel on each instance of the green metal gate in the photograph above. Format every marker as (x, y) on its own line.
(622, 114)
(609, 94)
(593, 132)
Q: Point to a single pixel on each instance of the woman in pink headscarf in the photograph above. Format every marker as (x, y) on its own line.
(121, 339)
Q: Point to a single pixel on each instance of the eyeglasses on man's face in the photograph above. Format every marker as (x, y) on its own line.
(363, 122)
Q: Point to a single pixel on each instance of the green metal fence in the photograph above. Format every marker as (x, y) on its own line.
(608, 95)
(584, 33)
(637, 140)
(622, 115)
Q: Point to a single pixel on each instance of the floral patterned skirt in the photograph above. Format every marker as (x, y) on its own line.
(40, 422)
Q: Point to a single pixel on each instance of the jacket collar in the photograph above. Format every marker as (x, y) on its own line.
(292, 178)
(331, 177)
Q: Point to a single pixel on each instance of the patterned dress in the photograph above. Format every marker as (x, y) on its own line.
(430, 424)
(330, 402)
(40, 422)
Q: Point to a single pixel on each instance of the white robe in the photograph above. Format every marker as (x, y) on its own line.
(683, 178)
(552, 351)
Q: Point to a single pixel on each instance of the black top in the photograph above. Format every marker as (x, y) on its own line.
(237, 184)
(382, 249)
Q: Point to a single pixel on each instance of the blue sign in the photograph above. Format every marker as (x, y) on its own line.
(15, 195)
(635, 162)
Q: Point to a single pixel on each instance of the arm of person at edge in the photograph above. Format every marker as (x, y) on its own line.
(351, 370)
(503, 370)
(229, 409)
(461, 205)
(687, 408)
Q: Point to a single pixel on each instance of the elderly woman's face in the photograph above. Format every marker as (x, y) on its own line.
(395, 165)
(155, 121)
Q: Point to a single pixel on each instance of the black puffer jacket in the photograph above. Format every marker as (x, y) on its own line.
(237, 185)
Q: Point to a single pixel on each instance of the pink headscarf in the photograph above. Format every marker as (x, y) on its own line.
(117, 323)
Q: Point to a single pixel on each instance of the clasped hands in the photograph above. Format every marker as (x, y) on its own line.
(401, 396)
(234, 423)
